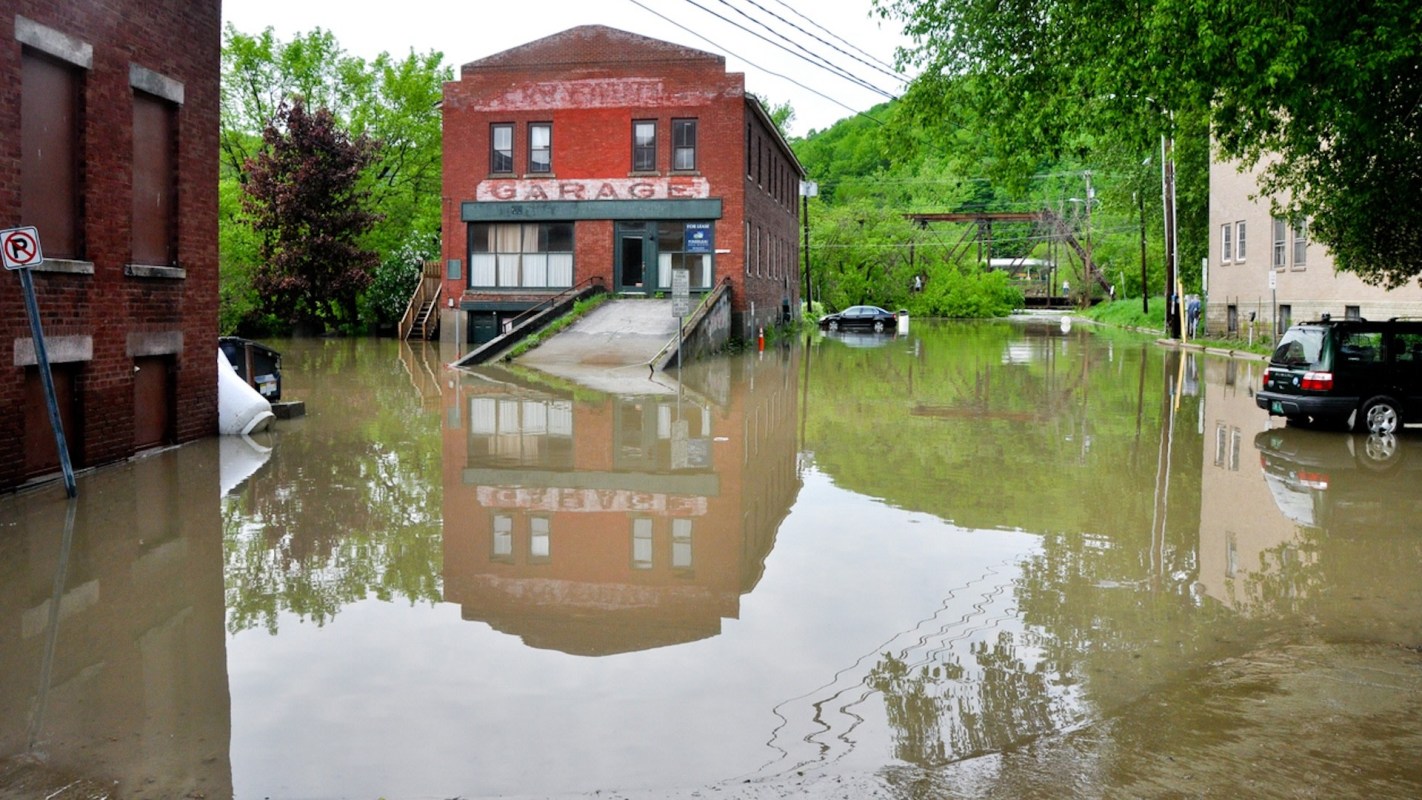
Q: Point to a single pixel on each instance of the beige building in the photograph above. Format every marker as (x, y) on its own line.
(1248, 245)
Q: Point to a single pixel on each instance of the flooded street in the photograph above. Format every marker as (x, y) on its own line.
(980, 560)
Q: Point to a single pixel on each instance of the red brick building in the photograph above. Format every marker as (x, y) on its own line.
(596, 153)
(110, 120)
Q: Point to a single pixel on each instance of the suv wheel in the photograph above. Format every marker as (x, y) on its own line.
(1380, 415)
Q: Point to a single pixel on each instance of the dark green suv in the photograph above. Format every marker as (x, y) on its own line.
(1367, 375)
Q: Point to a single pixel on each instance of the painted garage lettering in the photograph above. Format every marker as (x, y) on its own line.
(611, 189)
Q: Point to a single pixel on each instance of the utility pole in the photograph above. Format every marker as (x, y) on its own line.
(1167, 190)
(808, 189)
(1090, 254)
(1145, 291)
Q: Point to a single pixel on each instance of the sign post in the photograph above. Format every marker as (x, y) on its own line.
(20, 248)
(681, 304)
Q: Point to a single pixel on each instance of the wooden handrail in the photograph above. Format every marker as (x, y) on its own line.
(430, 286)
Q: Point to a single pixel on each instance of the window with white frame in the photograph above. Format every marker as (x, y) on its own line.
(1239, 241)
(1227, 242)
(540, 147)
(515, 255)
(540, 550)
(501, 548)
(641, 543)
(681, 544)
(1280, 242)
(1300, 232)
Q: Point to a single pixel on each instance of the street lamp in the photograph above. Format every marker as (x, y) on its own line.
(808, 189)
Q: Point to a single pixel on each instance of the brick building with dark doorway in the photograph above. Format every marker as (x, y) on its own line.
(597, 154)
(110, 114)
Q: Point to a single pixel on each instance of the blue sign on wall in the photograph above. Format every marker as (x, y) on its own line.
(700, 237)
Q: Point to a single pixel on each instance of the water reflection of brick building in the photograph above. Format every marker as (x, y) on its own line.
(613, 524)
(114, 658)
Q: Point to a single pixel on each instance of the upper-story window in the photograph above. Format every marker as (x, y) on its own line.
(155, 181)
(501, 155)
(51, 166)
(683, 144)
(1227, 242)
(540, 147)
(1280, 231)
(644, 145)
(1301, 244)
(1239, 241)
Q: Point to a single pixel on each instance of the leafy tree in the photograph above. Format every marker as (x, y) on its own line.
(393, 283)
(392, 100)
(1322, 94)
(781, 114)
(309, 210)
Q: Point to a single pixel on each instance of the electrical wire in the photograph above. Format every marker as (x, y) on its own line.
(843, 74)
(872, 62)
(767, 71)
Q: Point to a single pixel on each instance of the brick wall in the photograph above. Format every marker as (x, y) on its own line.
(124, 315)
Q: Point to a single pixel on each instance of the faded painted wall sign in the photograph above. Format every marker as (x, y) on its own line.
(610, 189)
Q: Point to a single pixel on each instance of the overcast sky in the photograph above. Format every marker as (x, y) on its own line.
(466, 31)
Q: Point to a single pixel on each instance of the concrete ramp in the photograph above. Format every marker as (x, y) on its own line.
(611, 348)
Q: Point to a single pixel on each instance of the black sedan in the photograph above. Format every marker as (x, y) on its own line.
(866, 318)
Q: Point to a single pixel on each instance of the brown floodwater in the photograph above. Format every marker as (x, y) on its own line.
(978, 560)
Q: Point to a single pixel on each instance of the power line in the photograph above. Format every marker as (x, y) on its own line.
(814, 58)
(837, 36)
(872, 62)
(830, 68)
(767, 71)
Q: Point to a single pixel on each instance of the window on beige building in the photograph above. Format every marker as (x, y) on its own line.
(1227, 242)
(1239, 241)
(1280, 240)
(1300, 232)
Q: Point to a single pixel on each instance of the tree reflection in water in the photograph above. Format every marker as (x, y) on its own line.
(997, 694)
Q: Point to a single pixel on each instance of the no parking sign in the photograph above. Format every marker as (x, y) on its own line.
(20, 247)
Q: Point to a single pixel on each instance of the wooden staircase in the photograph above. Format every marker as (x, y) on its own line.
(426, 321)
(421, 319)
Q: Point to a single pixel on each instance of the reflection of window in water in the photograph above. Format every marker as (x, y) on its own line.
(539, 544)
(642, 543)
(503, 538)
(522, 431)
(681, 543)
(1221, 434)
(1231, 556)
(1235, 437)
(660, 435)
